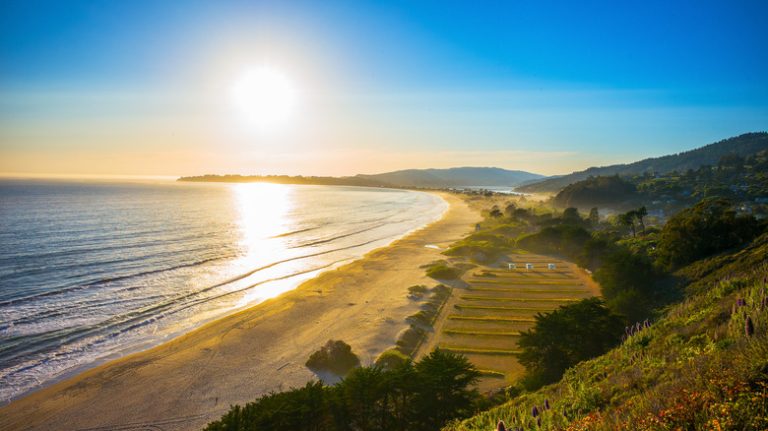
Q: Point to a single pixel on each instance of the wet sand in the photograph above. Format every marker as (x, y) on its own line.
(191, 380)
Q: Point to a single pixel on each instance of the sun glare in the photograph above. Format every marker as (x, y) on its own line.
(265, 97)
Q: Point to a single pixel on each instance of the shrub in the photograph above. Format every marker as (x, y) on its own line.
(418, 291)
(336, 356)
(410, 339)
(441, 271)
(391, 359)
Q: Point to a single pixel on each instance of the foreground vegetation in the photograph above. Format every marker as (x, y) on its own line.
(703, 365)
(402, 396)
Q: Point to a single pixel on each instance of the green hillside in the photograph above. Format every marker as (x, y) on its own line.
(742, 146)
(701, 366)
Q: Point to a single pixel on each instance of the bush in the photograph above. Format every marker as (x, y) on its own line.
(410, 339)
(441, 271)
(336, 356)
(418, 291)
(391, 359)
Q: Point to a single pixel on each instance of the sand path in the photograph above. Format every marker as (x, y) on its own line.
(193, 379)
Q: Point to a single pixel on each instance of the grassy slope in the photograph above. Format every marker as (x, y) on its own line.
(692, 369)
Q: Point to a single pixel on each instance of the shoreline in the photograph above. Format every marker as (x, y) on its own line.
(192, 379)
(146, 345)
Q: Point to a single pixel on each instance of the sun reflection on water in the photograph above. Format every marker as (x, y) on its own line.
(263, 215)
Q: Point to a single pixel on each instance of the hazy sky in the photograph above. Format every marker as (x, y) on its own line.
(135, 87)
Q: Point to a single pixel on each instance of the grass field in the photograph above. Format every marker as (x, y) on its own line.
(485, 318)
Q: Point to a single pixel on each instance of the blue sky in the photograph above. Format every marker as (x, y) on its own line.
(116, 87)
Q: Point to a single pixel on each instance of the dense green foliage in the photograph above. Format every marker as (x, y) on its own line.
(565, 337)
(696, 368)
(706, 228)
(336, 356)
(414, 397)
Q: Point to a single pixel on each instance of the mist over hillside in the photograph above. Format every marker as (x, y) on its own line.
(454, 177)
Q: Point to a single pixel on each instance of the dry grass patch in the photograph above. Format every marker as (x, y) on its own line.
(501, 299)
(492, 318)
(476, 351)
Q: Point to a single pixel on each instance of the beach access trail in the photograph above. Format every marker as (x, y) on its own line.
(193, 379)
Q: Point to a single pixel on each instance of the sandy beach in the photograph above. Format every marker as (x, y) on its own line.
(191, 380)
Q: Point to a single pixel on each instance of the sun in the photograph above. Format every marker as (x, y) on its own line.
(265, 97)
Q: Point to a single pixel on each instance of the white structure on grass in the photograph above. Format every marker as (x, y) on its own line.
(512, 266)
(529, 266)
(551, 266)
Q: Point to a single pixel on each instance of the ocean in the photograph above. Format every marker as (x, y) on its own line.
(93, 270)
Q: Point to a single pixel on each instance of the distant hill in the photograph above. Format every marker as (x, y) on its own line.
(419, 178)
(284, 179)
(454, 177)
(743, 145)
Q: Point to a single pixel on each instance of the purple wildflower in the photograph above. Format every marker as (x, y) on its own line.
(535, 411)
(501, 426)
(538, 421)
(546, 404)
(749, 327)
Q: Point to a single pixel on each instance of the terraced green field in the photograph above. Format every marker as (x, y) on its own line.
(483, 320)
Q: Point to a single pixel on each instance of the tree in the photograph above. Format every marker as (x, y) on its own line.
(495, 212)
(565, 337)
(594, 217)
(709, 227)
(571, 216)
(628, 219)
(408, 397)
(336, 356)
(443, 393)
(509, 211)
(628, 283)
(640, 214)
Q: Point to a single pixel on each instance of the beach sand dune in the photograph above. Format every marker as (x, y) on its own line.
(193, 379)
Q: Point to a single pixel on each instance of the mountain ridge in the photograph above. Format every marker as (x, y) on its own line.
(741, 145)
